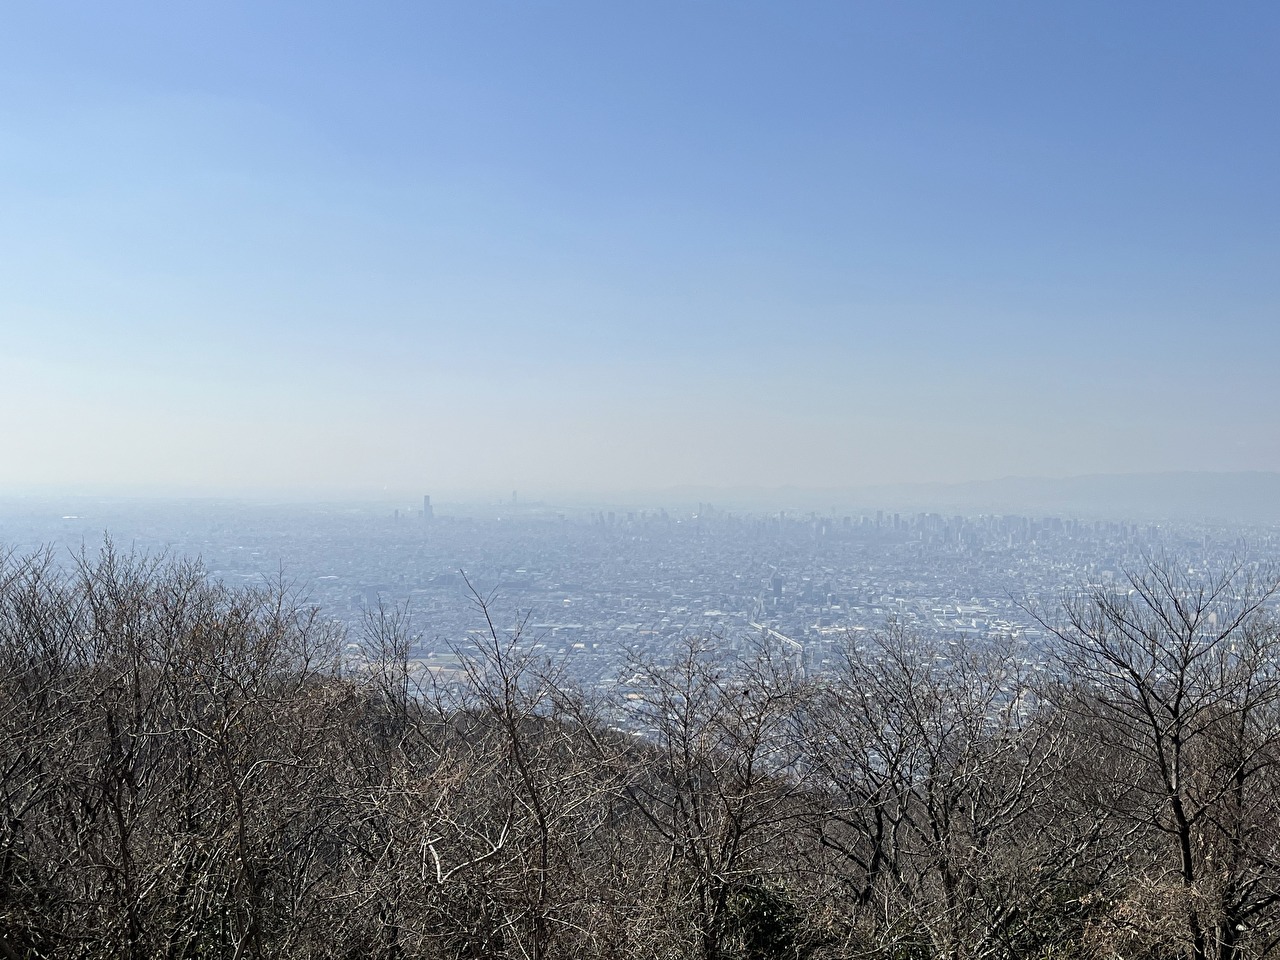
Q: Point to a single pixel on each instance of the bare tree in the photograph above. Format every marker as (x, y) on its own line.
(1177, 677)
(546, 777)
(721, 791)
(941, 767)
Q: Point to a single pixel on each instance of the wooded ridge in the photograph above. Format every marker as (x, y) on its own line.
(189, 770)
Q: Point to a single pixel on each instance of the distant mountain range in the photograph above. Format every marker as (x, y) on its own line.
(1190, 495)
(1251, 496)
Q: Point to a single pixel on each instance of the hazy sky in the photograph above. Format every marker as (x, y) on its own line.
(605, 245)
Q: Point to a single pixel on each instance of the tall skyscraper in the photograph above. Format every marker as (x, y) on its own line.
(427, 512)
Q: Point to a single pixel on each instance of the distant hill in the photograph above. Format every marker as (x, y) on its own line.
(1251, 496)
(1244, 496)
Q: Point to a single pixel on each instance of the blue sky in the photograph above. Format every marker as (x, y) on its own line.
(598, 246)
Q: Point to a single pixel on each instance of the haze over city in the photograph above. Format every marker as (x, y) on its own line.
(326, 249)
(604, 481)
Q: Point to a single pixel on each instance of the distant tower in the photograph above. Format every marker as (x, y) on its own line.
(427, 512)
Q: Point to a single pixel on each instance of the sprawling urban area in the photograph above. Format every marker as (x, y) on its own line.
(588, 588)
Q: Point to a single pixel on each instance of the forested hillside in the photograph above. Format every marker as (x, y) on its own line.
(193, 771)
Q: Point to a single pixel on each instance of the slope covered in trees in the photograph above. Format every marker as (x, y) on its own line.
(188, 770)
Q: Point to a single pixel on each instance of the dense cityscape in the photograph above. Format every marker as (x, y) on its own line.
(587, 587)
